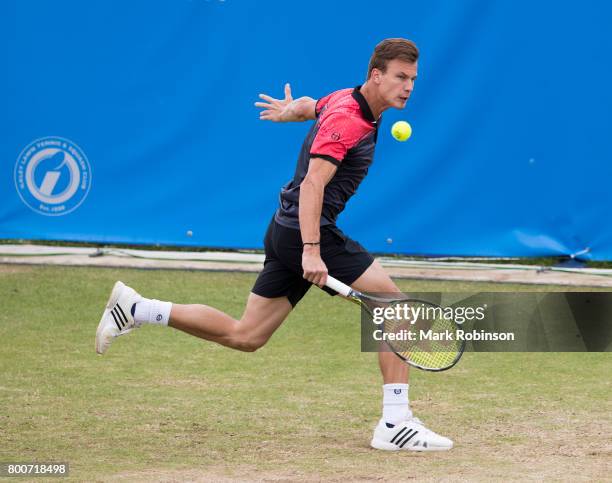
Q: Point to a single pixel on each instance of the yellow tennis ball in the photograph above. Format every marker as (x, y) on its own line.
(401, 130)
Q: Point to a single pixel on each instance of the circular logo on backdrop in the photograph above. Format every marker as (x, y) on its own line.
(52, 176)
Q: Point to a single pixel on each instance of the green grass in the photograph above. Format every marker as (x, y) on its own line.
(162, 405)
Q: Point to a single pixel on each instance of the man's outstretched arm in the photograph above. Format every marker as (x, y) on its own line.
(287, 109)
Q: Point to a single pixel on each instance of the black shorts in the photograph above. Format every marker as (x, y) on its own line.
(282, 275)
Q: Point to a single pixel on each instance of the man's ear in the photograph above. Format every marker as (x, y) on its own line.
(376, 74)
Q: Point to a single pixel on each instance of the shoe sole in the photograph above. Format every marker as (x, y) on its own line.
(386, 446)
(112, 300)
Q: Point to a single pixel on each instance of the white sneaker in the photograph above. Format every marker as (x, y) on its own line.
(117, 317)
(409, 435)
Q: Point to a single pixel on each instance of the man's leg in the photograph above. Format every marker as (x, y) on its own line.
(278, 288)
(397, 429)
(375, 279)
(127, 310)
(394, 371)
(261, 317)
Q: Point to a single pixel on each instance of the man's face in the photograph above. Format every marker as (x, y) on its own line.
(396, 83)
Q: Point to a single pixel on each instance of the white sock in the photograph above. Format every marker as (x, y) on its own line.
(395, 403)
(152, 311)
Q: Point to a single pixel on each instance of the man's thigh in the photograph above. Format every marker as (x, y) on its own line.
(282, 272)
(346, 259)
(375, 279)
(278, 281)
(262, 316)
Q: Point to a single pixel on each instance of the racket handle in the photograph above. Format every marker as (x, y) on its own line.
(338, 286)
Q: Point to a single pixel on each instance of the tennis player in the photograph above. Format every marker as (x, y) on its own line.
(303, 243)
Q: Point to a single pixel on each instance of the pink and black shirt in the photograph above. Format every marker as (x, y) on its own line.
(344, 134)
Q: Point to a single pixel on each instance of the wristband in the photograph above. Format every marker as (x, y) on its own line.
(311, 243)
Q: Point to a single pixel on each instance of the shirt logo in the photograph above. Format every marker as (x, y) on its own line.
(52, 176)
(335, 136)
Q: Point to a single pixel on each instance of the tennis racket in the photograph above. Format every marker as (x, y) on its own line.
(435, 346)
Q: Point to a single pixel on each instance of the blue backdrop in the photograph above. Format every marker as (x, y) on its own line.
(146, 128)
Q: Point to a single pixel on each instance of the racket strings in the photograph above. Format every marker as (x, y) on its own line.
(433, 343)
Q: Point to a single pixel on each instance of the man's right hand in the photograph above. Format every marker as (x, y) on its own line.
(287, 109)
(315, 270)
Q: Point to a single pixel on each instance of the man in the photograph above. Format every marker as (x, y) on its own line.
(303, 244)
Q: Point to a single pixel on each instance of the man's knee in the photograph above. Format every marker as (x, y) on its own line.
(250, 345)
(246, 342)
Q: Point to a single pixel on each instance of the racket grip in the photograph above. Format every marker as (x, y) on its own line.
(338, 286)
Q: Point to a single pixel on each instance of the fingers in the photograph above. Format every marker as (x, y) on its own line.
(272, 104)
(265, 97)
(265, 105)
(272, 100)
(268, 116)
(316, 276)
(288, 92)
(321, 278)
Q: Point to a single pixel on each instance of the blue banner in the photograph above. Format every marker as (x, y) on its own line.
(134, 122)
